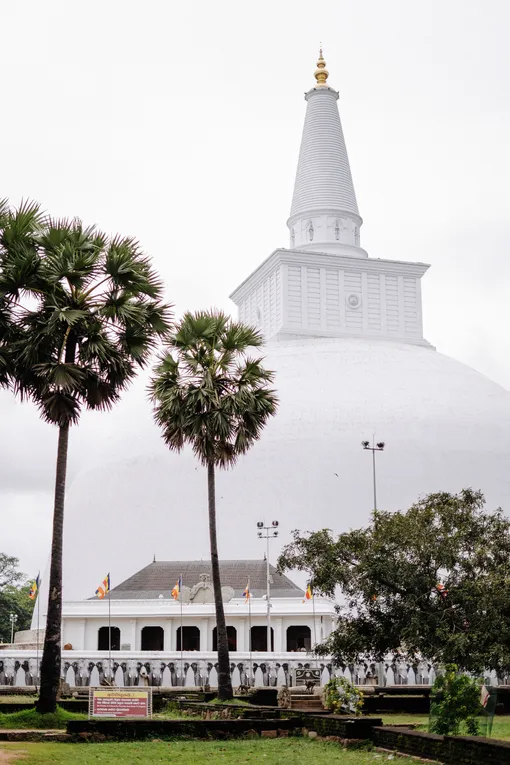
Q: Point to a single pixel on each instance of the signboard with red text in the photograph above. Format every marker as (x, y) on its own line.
(120, 702)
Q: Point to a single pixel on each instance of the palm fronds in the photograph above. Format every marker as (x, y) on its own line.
(208, 392)
(79, 312)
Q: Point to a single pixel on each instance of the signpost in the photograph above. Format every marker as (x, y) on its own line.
(120, 702)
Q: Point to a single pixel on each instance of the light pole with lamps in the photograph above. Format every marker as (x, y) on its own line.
(379, 447)
(270, 533)
(13, 619)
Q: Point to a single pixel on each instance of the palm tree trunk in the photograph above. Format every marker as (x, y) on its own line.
(51, 659)
(224, 679)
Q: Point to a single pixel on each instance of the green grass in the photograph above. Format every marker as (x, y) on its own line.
(231, 702)
(29, 718)
(500, 726)
(251, 752)
(14, 699)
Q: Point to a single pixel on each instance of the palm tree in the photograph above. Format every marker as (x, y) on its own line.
(87, 311)
(208, 393)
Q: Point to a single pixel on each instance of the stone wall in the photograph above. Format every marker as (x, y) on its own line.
(451, 750)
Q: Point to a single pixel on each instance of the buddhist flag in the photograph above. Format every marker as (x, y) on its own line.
(308, 594)
(484, 696)
(177, 589)
(443, 592)
(104, 587)
(247, 593)
(35, 587)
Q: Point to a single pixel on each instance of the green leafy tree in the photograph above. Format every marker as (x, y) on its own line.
(13, 598)
(455, 703)
(431, 582)
(86, 311)
(208, 393)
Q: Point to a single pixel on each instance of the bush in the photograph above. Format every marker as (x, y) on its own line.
(455, 704)
(340, 696)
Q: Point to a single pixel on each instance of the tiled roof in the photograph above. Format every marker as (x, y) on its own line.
(159, 577)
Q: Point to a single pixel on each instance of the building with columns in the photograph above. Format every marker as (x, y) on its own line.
(145, 617)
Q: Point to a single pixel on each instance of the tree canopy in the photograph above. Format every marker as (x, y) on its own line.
(208, 392)
(431, 582)
(14, 599)
(79, 311)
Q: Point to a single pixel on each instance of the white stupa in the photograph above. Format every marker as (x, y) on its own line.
(345, 338)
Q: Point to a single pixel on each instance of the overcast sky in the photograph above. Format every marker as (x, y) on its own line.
(180, 123)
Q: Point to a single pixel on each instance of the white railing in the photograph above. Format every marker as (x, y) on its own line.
(199, 668)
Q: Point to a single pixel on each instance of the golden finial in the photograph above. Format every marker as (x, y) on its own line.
(321, 73)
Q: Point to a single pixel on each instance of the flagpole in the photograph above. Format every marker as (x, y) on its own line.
(38, 622)
(252, 679)
(314, 622)
(109, 632)
(182, 636)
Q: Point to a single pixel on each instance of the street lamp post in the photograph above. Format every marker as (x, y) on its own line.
(379, 447)
(267, 533)
(13, 619)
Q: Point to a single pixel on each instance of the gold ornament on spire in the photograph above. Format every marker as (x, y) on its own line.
(321, 73)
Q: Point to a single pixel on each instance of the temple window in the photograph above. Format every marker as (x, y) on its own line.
(103, 642)
(191, 639)
(153, 639)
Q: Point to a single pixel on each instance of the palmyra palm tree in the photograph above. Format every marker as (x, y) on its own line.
(208, 393)
(85, 311)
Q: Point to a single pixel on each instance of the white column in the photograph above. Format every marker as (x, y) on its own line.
(128, 633)
(304, 297)
(175, 624)
(324, 323)
(167, 627)
(364, 299)
(383, 302)
(401, 305)
(277, 625)
(240, 626)
(205, 640)
(283, 297)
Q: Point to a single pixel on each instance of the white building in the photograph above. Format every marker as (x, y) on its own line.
(145, 617)
(345, 339)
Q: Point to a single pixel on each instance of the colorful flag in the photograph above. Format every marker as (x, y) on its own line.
(247, 593)
(35, 587)
(443, 592)
(308, 594)
(484, 696)
(177, 589)
(104, 587)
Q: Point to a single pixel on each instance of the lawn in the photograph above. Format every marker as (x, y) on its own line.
(500, 727)
(274, 752)
(29, 718)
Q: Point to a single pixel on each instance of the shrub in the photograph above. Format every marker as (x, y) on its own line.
(455, 703)
(342, 697)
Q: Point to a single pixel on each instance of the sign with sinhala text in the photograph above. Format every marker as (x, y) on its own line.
(117, 702)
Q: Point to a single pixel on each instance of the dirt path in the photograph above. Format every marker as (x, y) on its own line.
(9, 755)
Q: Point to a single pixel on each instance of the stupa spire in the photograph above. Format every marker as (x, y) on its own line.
(324, 216)
(321, 73)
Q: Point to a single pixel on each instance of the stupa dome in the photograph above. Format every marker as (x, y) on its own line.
(345, 340)
(446, 427)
